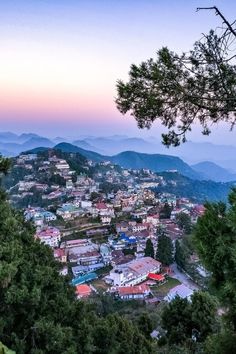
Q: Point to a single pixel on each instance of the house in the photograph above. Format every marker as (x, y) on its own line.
(83, 291)
(89, 258)
(60, 255)
(123, 226)
(50, 236)
(105, 219)
(75, 243)
(105, 252)
(180, 290)
(138, 292)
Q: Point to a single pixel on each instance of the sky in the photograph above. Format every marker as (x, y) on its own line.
(60, 60)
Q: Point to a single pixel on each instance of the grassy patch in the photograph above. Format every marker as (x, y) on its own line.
(162, 290)
(100, 285)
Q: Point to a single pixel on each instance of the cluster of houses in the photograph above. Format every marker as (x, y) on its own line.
(127, 218)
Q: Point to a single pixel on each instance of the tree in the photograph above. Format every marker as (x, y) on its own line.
(180, 256)
(5, 165)
(164, 250)
(181, 318)
(203, 313)
(181, 89)
(183, 220)
(176, 320)
(145, 324)
(149, 249)
(165, 211)
(215, 242)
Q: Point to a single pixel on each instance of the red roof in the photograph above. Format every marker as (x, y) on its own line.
(59, 252)
(133, 290)
(83, 290)
(101, 206)
(158, 277)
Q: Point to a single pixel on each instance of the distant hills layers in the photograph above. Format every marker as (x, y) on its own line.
(135, 156)
(135, 160)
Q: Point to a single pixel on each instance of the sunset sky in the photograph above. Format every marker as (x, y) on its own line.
(60, 59)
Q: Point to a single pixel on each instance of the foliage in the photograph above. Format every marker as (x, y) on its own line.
(182, 318)
(149, 249)
(107, 187)
(164, 250)
(198, 191)
(182, 89)
(165, 211)
(5, 350)
(183, 220)
(215, 241)
(39, 313)
(180, 255)
(5, 165)
(223, 343)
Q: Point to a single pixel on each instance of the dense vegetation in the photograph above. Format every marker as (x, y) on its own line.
(39, 312)
(198, 191)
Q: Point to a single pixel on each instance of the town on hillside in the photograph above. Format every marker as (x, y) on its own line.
(110, 228)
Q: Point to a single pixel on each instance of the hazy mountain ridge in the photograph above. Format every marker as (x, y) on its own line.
(210, 170)
(191, 153)
(135, 160)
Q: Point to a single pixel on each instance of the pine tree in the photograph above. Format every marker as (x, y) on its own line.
(164, 250)
(180, 257)
(149, 249)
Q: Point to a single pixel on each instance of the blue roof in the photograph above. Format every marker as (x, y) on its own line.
(84, 278)
(128, 239)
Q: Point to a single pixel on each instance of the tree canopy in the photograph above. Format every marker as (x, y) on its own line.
(182, 89)
(164, 252)
(149, 249)
(215, 242)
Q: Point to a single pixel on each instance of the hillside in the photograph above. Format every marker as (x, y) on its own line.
(154, 162)
(210, 170)
(136, 160)
(198, 191)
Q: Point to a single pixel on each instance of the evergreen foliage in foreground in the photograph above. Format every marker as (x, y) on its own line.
(38, 312)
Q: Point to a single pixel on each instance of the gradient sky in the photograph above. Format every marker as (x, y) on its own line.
(60, 59)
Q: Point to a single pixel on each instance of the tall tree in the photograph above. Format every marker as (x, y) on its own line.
(215, 241)
(149, 249)
(164, 250)
(183, 220)
(182, 318)
(180, 256)
(181, 89)
(165, 211)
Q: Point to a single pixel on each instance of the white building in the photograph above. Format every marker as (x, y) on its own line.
(180, 290)
(50, 236)
(134, 272)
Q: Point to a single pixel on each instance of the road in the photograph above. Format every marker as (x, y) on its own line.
(183, 278)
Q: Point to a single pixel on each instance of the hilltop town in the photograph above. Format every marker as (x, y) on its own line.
(109, 227)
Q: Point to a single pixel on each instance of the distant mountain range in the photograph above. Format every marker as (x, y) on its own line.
(134, 160)
(210, 171)
(194, 188)
(204, 160)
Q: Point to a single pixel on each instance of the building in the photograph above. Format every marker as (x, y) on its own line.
(83, 291)
(134, 272)
(50, 236)
(180, 290)
(60, 255)
(138, 292)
